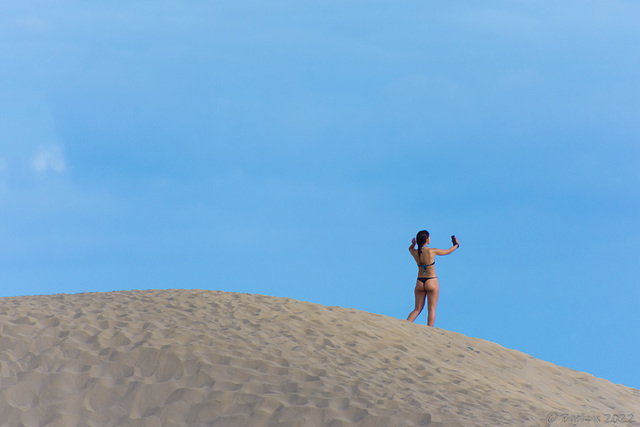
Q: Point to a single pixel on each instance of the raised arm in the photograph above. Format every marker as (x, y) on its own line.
(412, 248)
(455, 246)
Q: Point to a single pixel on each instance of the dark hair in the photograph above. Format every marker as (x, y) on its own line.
(421, 240)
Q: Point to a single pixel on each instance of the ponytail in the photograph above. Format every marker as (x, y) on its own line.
(421, 239)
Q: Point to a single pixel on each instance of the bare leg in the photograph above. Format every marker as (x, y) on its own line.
(420, 297)
(432, 300)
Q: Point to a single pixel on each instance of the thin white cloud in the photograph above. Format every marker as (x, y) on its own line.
(49, 159)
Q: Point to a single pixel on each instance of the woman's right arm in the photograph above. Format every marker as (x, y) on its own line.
(412, 248)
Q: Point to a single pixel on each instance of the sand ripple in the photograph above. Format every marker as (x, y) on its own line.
(208, 358)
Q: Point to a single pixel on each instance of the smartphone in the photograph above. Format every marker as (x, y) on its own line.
(454, 241)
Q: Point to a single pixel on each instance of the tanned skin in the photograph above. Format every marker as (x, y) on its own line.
(430, 289)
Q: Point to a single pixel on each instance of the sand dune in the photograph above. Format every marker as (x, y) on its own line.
(191, 358)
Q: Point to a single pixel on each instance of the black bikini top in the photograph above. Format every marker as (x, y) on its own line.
(424, 267)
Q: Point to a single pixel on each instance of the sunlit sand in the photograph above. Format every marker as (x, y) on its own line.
(194, 357)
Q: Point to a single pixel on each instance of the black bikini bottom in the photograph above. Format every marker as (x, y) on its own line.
(424, 279)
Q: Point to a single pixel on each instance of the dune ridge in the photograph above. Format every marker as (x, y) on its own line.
(210, 358)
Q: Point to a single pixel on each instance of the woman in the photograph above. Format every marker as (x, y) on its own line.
(427, 282)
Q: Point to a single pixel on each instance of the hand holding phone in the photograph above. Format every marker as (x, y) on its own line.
(454, 240)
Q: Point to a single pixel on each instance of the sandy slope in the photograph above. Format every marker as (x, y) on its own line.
(191, 357)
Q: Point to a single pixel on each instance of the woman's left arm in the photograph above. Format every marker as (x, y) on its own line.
(447, 251)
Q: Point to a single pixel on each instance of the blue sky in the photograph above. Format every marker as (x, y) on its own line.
(295, 148)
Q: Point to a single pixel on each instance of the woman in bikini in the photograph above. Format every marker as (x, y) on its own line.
(427, 282)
